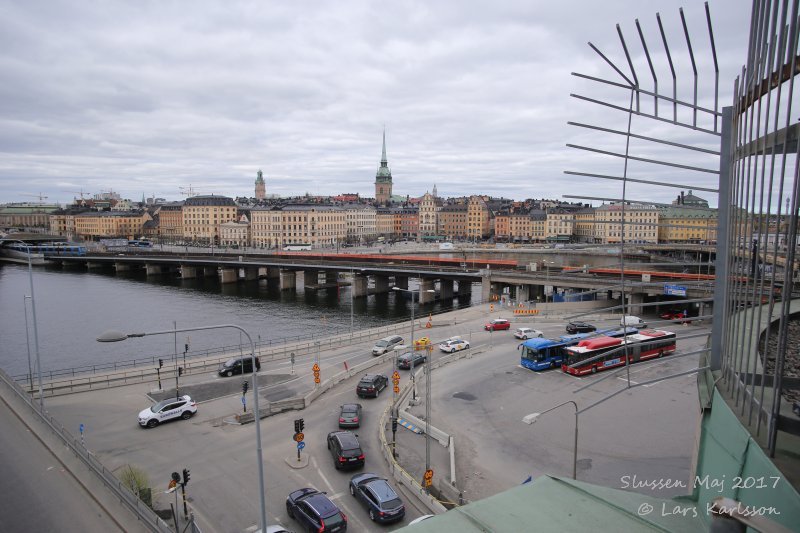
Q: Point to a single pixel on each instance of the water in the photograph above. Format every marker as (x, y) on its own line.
(73, 307)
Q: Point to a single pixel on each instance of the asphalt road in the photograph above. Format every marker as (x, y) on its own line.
(481, 401)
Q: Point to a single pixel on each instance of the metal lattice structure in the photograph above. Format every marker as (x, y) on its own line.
(679, 137)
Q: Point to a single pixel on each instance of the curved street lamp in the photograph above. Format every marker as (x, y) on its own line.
(117, 336)
(533, 417)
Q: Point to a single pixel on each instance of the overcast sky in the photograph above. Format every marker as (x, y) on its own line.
(146, 97)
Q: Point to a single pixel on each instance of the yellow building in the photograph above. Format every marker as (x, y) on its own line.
(560, 225)
(318, 225)
(584, 225)
(170, 221)
(687, 225)
(110, 224)
(202, 216)
(638, 221)
(478, 218)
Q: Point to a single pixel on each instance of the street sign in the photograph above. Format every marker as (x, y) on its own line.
(301, 445)
(396, 389)
(298, 437)
(81, 428)
(315, 368)
(396, 375)
(243, 400)
(316, 380)
(428, 478)
(674, 290)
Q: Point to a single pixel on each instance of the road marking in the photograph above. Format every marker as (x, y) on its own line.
(625, 380)
(328, 483)
(337, 495)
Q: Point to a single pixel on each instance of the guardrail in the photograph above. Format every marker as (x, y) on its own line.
(147, 516)
(278, 346)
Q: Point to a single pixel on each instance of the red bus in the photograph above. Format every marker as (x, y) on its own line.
(600, 353)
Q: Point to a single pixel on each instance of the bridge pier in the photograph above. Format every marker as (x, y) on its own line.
(523, 293)
(401, 282)
(635, 302)
(426, 284)
(273, 272)
(288, 279)
(188, 272)
(446, 289)
(250, 274)
(331, 277)
(209, 271)
(92, 266)
(359, 286)
(152, 270)
(228, 275)
(381, 284)
(464, 288)
(122, 267)
(486, 289)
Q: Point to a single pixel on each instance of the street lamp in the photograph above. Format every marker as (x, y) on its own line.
(35, 332)
(547, 283)
(427, 382)
(531, 418)
(116, 336)
(28, 342)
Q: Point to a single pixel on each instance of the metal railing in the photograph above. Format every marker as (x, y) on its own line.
(144, 513)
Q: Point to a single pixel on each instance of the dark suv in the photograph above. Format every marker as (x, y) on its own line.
(315, 511)
(345, 450)
(580, 327)
(371, 385)
(238, 365)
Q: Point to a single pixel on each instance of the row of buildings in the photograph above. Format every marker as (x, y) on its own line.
(327, 222)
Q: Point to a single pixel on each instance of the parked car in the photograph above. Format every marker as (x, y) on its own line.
(527, 333)
(580, 327)
(408, 360)
(371, 385)
(315, 511)
(350, 415)
(238, 365)
(454, 344)
(675, 315)
(382, 502)
(497, 324)
(345, 450)
(168, 409)
(386, 344)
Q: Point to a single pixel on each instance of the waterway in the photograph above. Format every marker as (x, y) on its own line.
(74, 306)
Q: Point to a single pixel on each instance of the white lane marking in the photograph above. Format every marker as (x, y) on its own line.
(328, 483)
(625, 380)
(337, 495)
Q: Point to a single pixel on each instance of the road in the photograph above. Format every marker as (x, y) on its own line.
(480, 401)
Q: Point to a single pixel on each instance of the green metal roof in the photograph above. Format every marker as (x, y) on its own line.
(558, 505)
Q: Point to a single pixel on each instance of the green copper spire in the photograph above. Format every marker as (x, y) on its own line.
(384, 172)
(384, 161)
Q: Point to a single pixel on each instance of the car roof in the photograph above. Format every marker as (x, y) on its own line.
(381, 489)
(347, 439)
(350, 406)
(321, 504)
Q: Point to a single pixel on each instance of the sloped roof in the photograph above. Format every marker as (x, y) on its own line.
(558, 505)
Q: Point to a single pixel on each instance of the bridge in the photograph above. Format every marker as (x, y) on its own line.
(437, 278)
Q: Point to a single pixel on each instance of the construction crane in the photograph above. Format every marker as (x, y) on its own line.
(40, 196)
(80, 193)
(189, 192)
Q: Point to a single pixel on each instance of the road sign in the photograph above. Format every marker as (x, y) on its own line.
(316, 380)
(315, 368)
(428, 478)
(674, 290)
(396, 375)
(81, 428)
(301, 445)
(396, 389)
(298, 437)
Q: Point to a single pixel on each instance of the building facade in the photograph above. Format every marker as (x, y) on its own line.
(261, 187)
(95, 225)
(203, 215)
(638, 222)
(453, 221)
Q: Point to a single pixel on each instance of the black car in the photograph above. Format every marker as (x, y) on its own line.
(350, 415)
(371, 385)
(407, 360)
(580, 327)
(380, 499)
(345, 450)
(315, 511)
(238, 365)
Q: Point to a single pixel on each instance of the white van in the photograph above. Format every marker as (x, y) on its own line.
(386, 344)
(632, 322)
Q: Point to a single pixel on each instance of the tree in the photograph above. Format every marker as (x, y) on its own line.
(136, 480)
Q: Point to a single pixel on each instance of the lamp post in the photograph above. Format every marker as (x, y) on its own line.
(427, 383)
(531, 418)
(28, 342)
(116, 336)
(35, 333)
(547, 283)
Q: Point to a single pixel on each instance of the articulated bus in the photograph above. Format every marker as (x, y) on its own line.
(542, 354)
(601, 353)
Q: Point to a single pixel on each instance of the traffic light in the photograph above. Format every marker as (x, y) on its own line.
(160, 363)
(245, 386)
(186, 347)
(185, 476)
(180, 370)
(297, 426)
(302, 425)
(394, 424)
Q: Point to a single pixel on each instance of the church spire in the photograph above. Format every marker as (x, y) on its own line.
(384, 161)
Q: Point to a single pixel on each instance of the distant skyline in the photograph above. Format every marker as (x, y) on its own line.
(145, 98)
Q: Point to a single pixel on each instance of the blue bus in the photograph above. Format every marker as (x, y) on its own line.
(542, 354)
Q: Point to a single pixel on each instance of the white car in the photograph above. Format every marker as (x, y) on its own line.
(527, 333)
(168, 409)
(454, 344)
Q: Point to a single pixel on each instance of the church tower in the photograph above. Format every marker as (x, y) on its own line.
(261, 188)
(383, 178)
